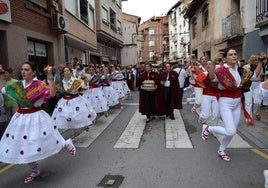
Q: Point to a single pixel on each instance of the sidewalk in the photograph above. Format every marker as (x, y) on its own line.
(258, 134)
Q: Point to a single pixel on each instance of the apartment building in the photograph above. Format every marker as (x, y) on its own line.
(80, 38)
(129, 53)
(215, 26)
(47, 32)
(179, 40)
(109, 32)
(154, 37)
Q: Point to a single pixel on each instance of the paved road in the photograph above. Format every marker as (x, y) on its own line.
(161, 154)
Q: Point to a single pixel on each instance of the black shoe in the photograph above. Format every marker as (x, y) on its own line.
(148, 120)
(172, 117)
(167, 115)
(153, 117)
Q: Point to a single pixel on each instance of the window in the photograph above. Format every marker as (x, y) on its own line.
(40, 5)
(151, 31)
(205, 15)
(37, 49)
(151, 43)
(113, 20)
(37, 53)
(119, 29)
(84, 11)
(72, 7)
(194, 30)
(118, 2)
(91, 21)
(104, 16)
(174, 18)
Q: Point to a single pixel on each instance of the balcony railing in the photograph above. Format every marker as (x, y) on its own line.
(231, 26)
(166, 35)
(166, 49)
(175, 55)
(261, 11)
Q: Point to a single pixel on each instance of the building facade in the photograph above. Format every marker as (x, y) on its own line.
(257, 27)
(153, 35)
(212, 30)
(179, 40)
(80, 39)
(109, 32)
(45, 32)
(129, 53)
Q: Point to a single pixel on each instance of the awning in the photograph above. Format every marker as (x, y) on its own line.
(78, 44)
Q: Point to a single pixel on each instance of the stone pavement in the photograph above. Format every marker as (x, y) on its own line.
(258, 134)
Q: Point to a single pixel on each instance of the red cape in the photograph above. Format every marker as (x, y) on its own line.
(159, 99)
(175, 93)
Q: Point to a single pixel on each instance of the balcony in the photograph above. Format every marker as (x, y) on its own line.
(174, 38)
(166, 35)
(232, 27)
(261, 13)
(166, 49)
(175, 55)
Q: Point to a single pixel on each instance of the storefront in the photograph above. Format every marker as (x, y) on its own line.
(77, 48)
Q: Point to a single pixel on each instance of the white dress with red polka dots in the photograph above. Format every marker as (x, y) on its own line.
(117, 84)
(30, 137)
(111, 95)
(73, 113)
(96, 98)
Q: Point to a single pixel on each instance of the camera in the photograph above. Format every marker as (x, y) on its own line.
(261, 58)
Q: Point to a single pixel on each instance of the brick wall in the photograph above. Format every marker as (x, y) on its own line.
(29, 19)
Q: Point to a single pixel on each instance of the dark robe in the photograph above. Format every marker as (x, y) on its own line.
(159, 99)
(174, 93)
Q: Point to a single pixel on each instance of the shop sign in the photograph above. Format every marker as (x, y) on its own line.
(5, 10)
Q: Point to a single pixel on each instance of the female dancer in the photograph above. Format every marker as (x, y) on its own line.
(209, 102)
(229, 101)
(72, 110)
(94, 92)
(110, 93)
(31, 135)
(197, 74)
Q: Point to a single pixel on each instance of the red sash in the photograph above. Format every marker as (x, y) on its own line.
(28, 110)
(226, 78)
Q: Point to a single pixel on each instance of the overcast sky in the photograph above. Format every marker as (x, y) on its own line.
(147, 8)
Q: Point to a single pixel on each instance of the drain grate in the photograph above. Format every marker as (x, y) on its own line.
(111, 181)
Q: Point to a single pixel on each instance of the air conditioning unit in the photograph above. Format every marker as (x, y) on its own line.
(59, 23)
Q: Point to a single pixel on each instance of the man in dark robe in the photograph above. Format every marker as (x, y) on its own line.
(151, 101)
(171, 91)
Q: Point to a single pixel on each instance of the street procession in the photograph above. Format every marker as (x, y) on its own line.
(134, 94)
